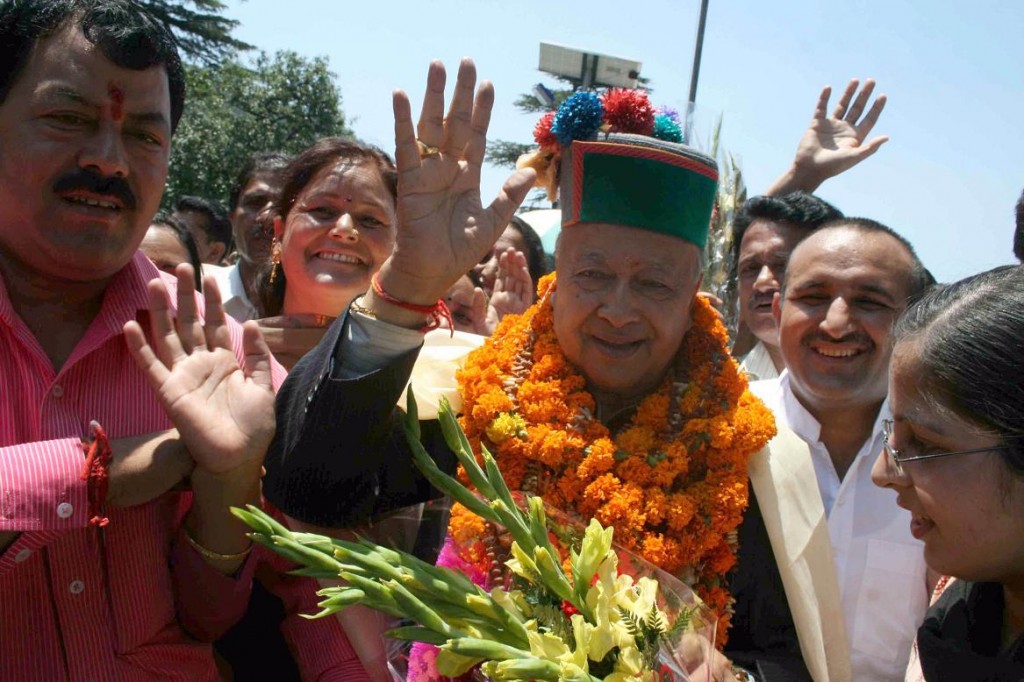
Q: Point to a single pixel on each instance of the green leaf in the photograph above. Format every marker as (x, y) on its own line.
(415, 633)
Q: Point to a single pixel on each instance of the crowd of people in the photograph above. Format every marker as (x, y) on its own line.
(847, 494)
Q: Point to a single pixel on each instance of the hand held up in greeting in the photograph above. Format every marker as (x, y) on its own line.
(224, 412)
(513, 286)
(832, 144)
(443, 227)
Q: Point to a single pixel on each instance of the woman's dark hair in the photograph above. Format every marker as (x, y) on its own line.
(166, 220)
(324, 153)
(971, 351)
(124, 32)
(537, 261)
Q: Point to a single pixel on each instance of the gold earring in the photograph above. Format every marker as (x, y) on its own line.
(275, 261)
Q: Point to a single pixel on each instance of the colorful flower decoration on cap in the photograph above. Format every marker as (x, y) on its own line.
(671, 113)
(667, 129)
(542, 134)
(579, 118)
(583, 115)
(628, 111)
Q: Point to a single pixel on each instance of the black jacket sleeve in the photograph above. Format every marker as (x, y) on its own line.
(763, 637)
(340, 456)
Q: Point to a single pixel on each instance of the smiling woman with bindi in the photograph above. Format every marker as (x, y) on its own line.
(334, 225)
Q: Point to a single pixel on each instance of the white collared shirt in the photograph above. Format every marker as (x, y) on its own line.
(232, 291)
(879, 564)
(758, 364)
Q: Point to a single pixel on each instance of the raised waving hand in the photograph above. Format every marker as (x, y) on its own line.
(443, 226)
(834, 143)
(224, 412)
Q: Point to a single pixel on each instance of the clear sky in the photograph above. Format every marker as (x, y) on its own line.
(947, 180)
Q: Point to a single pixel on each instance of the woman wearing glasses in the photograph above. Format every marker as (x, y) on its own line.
(955, 457)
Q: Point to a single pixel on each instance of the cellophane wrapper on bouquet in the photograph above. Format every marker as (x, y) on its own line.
(674, 645)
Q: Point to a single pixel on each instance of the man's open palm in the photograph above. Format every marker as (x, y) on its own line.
(224, 412)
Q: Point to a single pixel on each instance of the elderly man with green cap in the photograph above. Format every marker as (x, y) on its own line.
(613, 397)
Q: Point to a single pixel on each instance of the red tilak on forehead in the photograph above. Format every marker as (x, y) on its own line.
(116, 102)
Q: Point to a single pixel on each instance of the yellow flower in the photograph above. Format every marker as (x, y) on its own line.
(630, 662)
(522, 564)
(506, 425)
(548, 646)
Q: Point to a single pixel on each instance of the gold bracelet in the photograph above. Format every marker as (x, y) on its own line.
(217, 556)
(358, 307)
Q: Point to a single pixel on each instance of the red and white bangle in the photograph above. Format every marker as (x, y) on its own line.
(437, 312)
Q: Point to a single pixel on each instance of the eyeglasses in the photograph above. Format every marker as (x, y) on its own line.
(898, 460)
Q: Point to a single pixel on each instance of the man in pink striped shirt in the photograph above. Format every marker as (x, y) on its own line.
(90, 94)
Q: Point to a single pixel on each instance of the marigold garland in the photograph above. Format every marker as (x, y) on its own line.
(673, 481)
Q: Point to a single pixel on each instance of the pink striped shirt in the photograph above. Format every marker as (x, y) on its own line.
(132, 601)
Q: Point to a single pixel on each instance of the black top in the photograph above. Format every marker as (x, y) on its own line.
(961, 636)
(340, 457)
(763, 637)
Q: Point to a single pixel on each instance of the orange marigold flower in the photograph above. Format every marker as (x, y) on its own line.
(721, 434)
(680, 509)
(672, 481)
(599, 459)
(637, 440)
(464, 525)
(654, 505)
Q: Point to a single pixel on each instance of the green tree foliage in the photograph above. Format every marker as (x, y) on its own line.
(204, 36)
(233, 110)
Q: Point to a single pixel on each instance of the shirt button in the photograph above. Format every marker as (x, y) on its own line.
(57, 391)
(22, 555)
(76, 587)
(65, 510)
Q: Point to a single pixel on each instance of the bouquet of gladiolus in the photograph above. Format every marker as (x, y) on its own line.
(583, 622)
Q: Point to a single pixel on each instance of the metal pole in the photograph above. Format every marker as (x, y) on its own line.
(691, 104)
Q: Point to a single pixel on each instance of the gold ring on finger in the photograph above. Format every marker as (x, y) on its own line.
(427, 150)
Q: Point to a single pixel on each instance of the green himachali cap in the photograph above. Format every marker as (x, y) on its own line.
(639, 181)
(615, 158)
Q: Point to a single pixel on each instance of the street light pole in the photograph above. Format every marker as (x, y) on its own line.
(691, 103)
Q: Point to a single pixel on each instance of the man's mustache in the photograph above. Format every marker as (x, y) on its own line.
(94, 183)
(760, 299)
(853, 338)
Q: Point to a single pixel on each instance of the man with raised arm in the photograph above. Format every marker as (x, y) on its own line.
(769, 227)
(613, 397)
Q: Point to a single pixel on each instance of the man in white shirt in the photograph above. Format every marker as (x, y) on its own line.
(767, 229)
(253, 194)
(852, 575)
